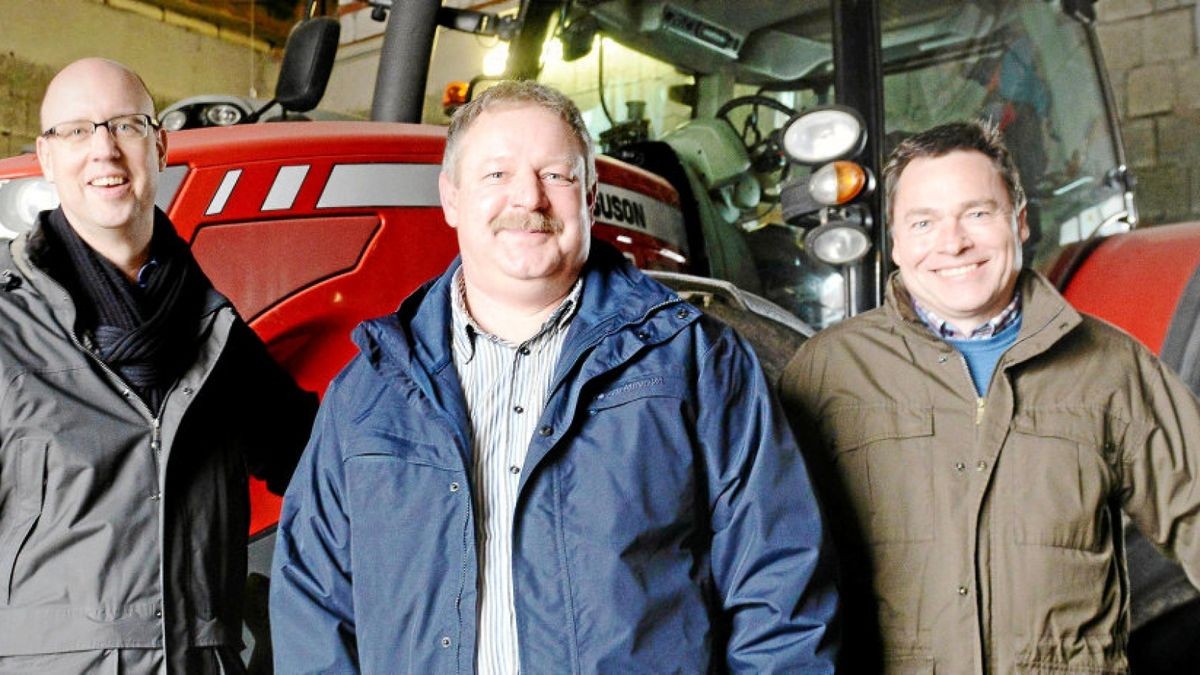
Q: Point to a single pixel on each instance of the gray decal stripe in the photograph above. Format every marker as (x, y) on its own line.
(168, 185)
(227, 184)
(285, 188)
(381, 185)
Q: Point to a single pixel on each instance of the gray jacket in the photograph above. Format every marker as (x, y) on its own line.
(122, 529)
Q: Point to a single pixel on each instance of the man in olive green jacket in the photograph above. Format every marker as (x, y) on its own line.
(982, 438)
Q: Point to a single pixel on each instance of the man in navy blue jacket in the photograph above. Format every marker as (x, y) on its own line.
(545, 461)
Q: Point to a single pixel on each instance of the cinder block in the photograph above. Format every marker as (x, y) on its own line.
(1150, 90)
(1163, 194)
(1169, 36)
(1116, 10)
(1121, 43)
(1140, 142)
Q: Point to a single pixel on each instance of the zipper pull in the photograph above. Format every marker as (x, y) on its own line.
(980, 404)
(155, 436)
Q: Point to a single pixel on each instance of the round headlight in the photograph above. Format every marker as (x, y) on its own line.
(21, 200)
(174, 120)
(837, 243)
(223, 114)
(823, 135)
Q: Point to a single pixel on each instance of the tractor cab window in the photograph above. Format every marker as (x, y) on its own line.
(1027, 68)
(714, 83)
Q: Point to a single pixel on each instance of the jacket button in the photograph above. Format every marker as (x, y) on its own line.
(187, 391)
(445, 641)
(642, 335)
(454, 487)
(155, 497)
(942, 358)
(962, 590)
(981, 466)
(959, 466)
(546, 431)
(158, 613)
(682, 313)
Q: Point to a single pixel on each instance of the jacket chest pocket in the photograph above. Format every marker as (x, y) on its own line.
(1055, 480)
(883, 456)
(22, 507)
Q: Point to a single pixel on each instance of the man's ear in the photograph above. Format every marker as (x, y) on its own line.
(44, 159)
(1023, 224)
(448, 194)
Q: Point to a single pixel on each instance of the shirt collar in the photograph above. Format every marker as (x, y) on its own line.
(465, 330)
(946, 331)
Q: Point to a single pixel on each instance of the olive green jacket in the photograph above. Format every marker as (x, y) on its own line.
(983, 535)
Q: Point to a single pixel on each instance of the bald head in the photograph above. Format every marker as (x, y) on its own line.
(106, 182)
(81, 82)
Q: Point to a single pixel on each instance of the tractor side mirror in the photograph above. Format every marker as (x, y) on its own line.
(307, 62)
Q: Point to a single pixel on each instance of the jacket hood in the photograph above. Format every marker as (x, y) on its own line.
(615, 293)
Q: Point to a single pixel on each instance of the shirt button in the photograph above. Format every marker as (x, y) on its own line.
(155, 496)
(454, 487)
(518, 409)
(959, 466)
(445, 641)
(546, 431)
(962, 590)
(187, 391)
(514, 470)
(158, 613)
(981, 466)
(524, 351)
(943, 358)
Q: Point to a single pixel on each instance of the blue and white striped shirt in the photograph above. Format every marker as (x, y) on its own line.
(505, 387)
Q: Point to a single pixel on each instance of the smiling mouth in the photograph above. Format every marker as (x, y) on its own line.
(108, 181)
(961, 270)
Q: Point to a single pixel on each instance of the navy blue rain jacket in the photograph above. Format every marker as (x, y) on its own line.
(665, 521)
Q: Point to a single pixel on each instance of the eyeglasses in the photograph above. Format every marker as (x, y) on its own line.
(121, 127)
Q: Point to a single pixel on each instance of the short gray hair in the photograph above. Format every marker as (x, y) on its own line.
(515, 93)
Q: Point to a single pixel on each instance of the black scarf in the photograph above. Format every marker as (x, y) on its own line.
(149, 336)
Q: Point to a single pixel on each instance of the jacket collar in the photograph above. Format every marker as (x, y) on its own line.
(29, 249)
(615, 294)
(1046, 315)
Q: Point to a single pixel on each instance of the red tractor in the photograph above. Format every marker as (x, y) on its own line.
(742, 142)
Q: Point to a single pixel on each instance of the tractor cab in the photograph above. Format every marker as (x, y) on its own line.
(771, 120)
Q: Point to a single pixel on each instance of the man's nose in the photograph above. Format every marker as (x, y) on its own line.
(527, 191)
(952, 237)
(102, 144)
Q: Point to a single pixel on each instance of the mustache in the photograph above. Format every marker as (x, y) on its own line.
(527, 222)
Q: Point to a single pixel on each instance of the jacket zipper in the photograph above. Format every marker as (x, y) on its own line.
(980, 402)
(155, 452)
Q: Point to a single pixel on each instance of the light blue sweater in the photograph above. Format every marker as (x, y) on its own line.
(982, 354)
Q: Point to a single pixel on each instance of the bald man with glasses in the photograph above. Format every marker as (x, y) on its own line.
(133, 401)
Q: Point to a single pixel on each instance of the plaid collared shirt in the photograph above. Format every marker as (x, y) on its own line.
(946, 331)
(505, 387)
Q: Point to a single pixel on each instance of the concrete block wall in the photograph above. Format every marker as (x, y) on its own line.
(1150, 47)
(177, 56)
